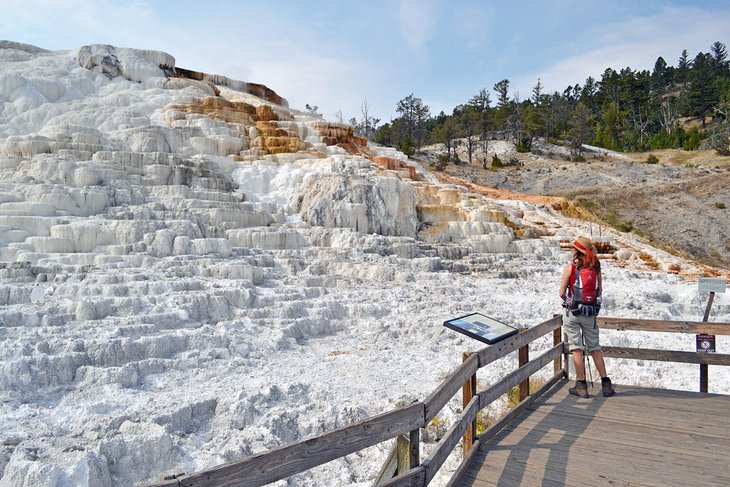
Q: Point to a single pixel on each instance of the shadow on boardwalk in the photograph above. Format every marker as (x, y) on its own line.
(638, 437)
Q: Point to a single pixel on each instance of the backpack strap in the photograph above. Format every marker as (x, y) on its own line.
(574, 275)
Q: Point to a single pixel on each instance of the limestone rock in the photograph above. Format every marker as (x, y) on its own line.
(267, 238)
(255, 89)
(134, 64)
(385, 205)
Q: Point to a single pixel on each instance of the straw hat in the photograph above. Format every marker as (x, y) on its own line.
(586, 247)
(583, 244)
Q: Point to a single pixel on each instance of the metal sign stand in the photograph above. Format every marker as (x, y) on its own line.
(711, 285)
(703, 367)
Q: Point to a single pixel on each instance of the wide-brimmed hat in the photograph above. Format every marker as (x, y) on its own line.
(583, 244)
(586, 247)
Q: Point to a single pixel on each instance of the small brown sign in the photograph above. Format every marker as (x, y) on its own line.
(705, 343)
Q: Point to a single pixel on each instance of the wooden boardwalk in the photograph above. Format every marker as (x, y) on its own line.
(639, 437)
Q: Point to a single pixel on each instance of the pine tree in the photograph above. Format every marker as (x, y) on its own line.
(719, 60)
(503, 103)
(612, 127)
(661, 77)
(481, 103)
(701, 93)
(582, 121)
(414, 115)
(683, 68)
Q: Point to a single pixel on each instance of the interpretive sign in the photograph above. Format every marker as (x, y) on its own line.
(711, 285)
(705, 343)
(480, 327)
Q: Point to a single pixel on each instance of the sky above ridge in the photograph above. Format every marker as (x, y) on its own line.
(335, 54)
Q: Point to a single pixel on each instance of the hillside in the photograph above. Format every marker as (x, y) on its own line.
(192, 272)
(680, 203)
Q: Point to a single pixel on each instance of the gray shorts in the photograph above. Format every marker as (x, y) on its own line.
(573, 325)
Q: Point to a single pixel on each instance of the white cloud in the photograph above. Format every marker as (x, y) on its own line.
(472, 24)
(416, 19)
(330, 83)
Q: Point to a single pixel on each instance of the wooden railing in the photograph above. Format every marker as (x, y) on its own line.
(691, 327)
(270, 466)
(406, 422)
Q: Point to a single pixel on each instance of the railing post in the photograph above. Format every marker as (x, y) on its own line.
(415, 448)
(468, 391)
(403, 454)
(566, 358)
(704, 368)
(557, 338)
(524, 357)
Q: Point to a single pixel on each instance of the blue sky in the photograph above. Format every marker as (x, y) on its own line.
(335, 54)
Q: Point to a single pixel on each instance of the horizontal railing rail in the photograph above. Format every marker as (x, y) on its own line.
(667, 326)
(667, 355)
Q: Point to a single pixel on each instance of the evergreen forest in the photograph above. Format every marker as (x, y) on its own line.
(682, 106)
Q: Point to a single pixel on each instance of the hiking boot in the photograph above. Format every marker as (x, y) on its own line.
(607, 387)
(580, 389)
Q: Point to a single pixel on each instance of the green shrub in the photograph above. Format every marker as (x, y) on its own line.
(405, 147)
(578, 158)
(692, 142)
(591, 205)
(720, 205)
(513, 395)
(496, 161)
(484, 421)
(623, 227)
(442, 161)
(652, 159)
(438, 427)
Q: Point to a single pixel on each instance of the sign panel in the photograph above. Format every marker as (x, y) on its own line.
(480, 327)
(705, 343)
(711, 285)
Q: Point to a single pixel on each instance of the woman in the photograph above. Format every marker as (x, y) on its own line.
(580, 290)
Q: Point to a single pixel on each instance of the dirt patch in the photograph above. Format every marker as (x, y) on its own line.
(692, 215)
(681, 203)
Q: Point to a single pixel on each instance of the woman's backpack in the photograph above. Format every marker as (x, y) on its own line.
(584, 292)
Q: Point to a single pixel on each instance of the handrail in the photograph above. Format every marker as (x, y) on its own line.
(479, 402)
(512, 379)
(283, 462)
(667, 355)
(667, 326)
(434, 461)
(266, 467)
(490, 354)
(450, 386)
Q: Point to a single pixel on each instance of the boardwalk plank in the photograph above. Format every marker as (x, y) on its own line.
(620, 435)
(590, 467)
(591, 472)
(645, 437)
(676, 421)
(621, 432)
(514, 476)
(619, 462)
